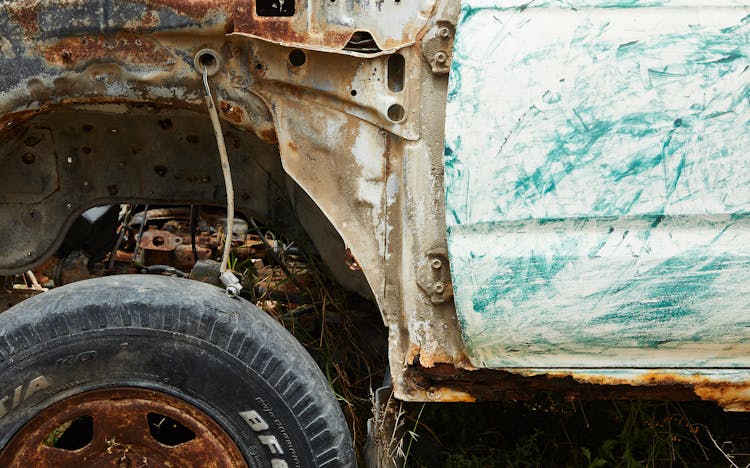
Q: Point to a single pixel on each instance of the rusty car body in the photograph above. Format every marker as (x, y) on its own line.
(564, 210)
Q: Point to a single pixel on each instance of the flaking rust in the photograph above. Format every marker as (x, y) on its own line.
(26, 14)
(445, 382)
(123, 48)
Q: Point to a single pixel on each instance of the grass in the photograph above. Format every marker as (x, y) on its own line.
(341, 331)
(594, 434)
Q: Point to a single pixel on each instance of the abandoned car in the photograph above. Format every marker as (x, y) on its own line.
(538, 195)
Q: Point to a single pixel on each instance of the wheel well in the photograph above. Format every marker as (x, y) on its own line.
(64, 161)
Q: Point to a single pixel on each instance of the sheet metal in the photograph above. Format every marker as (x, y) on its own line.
(596, 183)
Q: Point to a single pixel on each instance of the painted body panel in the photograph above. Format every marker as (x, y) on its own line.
(597, 183)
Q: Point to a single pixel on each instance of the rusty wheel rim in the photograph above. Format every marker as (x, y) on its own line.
(121, 435)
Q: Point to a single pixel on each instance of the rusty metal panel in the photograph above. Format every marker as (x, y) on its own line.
(326, 25)
(596, 183)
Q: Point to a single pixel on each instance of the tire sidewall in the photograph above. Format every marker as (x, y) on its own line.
(198, 350)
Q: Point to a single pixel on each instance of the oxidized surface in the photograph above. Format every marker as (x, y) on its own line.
(597, 176)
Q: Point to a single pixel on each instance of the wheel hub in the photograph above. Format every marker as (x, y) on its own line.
(122, 427)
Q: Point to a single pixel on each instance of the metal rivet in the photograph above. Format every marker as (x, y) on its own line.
(440, 56)
(28, 158)
(68, 206)
(444, 32)
(436, 263)
(438, 287)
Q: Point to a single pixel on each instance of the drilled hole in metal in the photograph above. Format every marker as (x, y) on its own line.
(72, 435)
(167, 431)
(158, 240)
(354, 92)
(207, 60)
(396, 113)
(396, 67)
(297, 58)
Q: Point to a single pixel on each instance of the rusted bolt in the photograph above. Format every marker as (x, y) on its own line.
(444, 32)
(436, 263)
(28, 158)
(438, 287)
(440, 56)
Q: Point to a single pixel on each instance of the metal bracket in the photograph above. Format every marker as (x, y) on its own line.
(437, 46)
(434, 276)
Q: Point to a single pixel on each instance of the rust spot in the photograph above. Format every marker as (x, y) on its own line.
(276, 29)
(26, 14)
(127, 49)
(339, 38)
(195, 9)
(233, 113)
(493, 385)
(282, 29)
(122, 435)
(269, 136)
(150, 19)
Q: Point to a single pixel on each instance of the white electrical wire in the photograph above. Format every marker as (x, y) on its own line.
(225, 169)
(230, 281)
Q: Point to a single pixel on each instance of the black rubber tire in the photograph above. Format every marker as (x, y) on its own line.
(185, 338)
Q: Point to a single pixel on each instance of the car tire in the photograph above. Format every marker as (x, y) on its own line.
(97, 341)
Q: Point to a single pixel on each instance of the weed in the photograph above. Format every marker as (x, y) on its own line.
(552, 432)
(335, 327)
